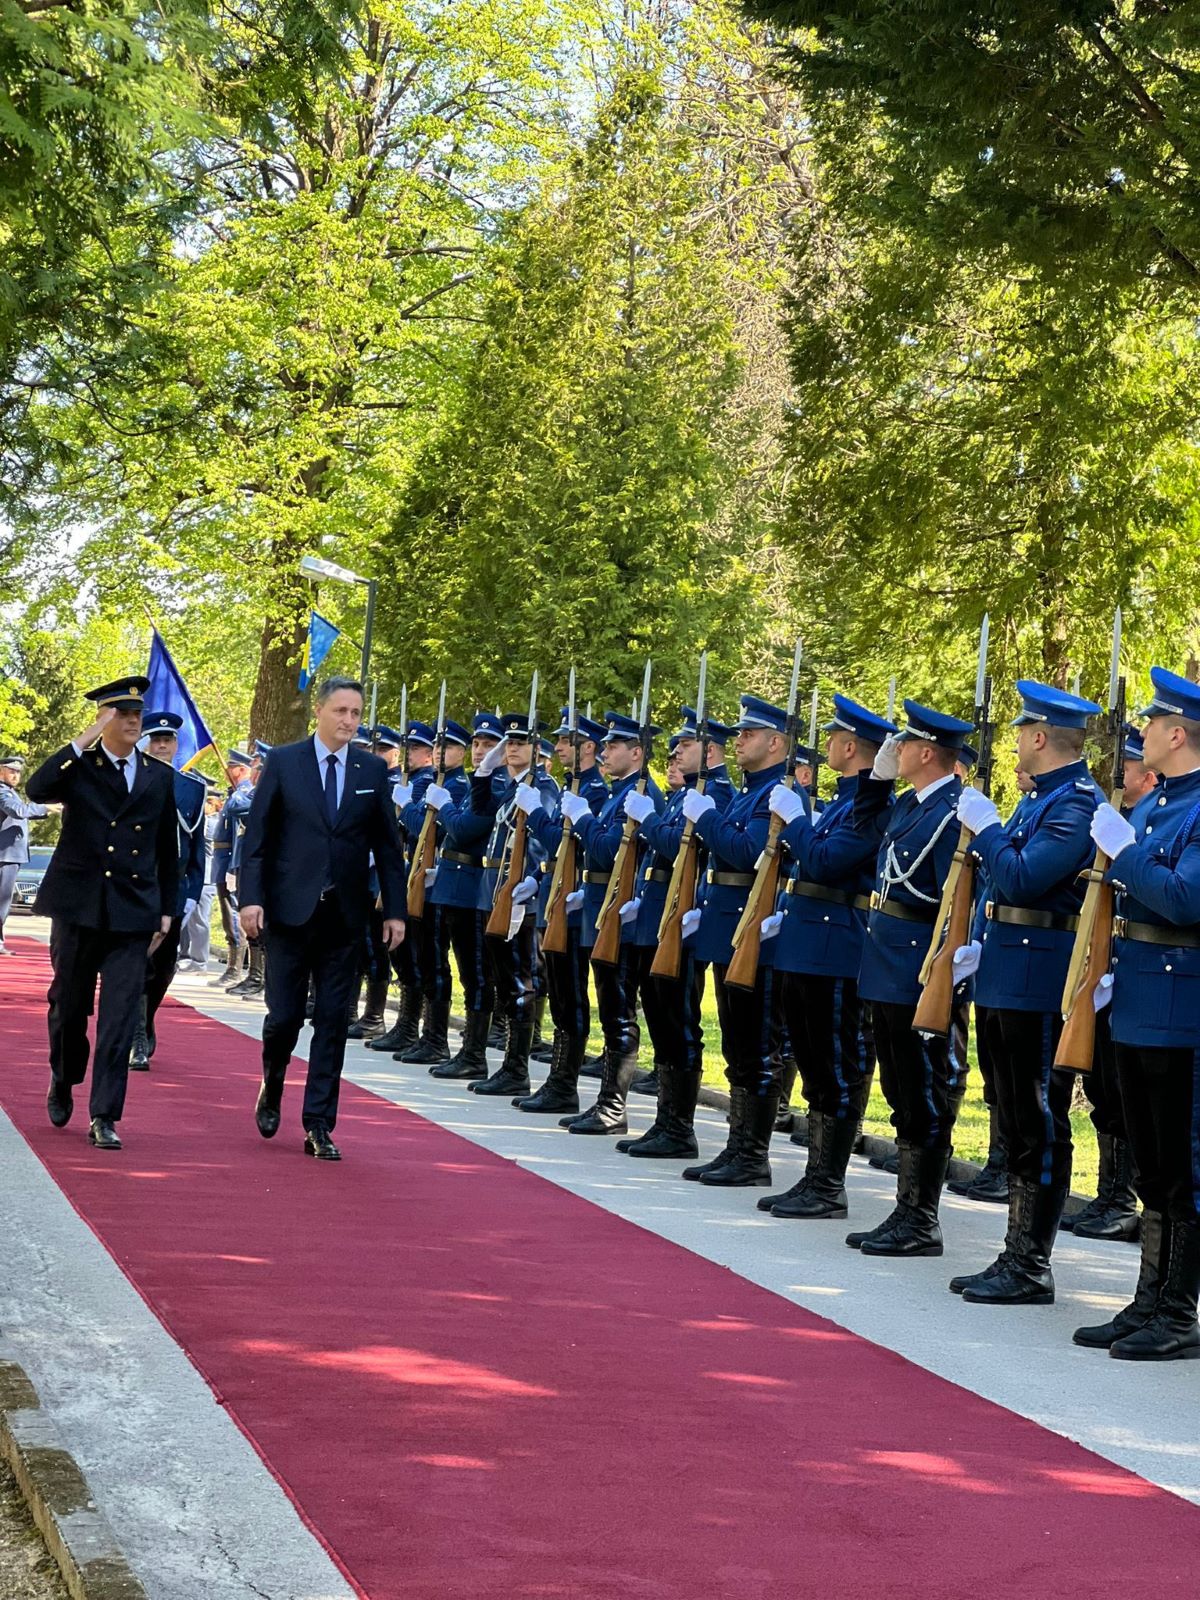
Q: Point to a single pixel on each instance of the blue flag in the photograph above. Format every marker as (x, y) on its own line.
(321, 636)
(168, 692)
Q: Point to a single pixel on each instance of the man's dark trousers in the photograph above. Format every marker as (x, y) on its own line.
(79, 957)
(328, 951)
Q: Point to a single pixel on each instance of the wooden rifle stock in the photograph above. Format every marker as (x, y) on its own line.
(681, 898)
(1090, 956)
(950, 932)
(554, 940)
(502, 905)
(621, 884)
(422, 862)
(742, 971)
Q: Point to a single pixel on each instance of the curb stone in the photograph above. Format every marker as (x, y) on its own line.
(76, 1532)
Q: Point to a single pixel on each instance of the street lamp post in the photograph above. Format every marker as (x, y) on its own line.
(315, 567)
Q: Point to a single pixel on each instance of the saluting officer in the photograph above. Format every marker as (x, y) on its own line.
(673, 1005)
(566, 970)
(1156, 1025)
(110, 891)
(749, 1018)
(616, 984)
(922, 1078)
(237, 770)
(161, 732)
(254, 983)
(15, 815)
(822, 921)
(1034, 891)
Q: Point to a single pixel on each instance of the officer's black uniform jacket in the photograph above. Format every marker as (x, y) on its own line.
(116, 864)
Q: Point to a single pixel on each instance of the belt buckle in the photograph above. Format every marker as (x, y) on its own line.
(876, 901)
(1119, 925)
(989, 907)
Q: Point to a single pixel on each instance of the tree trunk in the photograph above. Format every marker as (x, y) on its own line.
(280, 711)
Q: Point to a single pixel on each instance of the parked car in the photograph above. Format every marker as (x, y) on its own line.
(30, 876)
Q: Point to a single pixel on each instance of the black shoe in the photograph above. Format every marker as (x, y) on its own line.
(1034, 1212)
(672, 1135)
(431, 1049)
(593, 1067)
(916, 1231)
(512, 1076)
(1116, 1215)
(991, 1183)
(1156, 1237)
(471, 1062)
(318, 1143)
(607, 1116)
(813, 1135)
(1172, 1333)
(647, 1082)
(371, 1024)
(59, 1103)
(737, 1114)
(821, 1194)
(403, 1033)
(560, 1092)
(103, 1135)
(267, 1109)
(785, 1117)
(139, 1050)
(750, 1167)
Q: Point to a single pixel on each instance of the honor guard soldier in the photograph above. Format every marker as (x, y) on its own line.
(237, 770)
(443, 891)
(161, 732)
(511, 959)
(409, 795)
(615, 983)
(15, 815)
(817, 953)
(672, 1004)
(1154, 989)
(566, 970)
(254, 983)
(460, 890)
(370, 1025)
(1113, 1213)
(749, 1018)
(110, 890)
(922, 1078)
(1033, 893)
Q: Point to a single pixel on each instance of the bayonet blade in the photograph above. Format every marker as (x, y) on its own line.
(795, 688)
(441, 721)
(533, 689)
(571, 702)
(404, 711)
(1114, 671)
(646, 694)
(981, 669)
(812, 721)
(1075, 682)
(702, 694)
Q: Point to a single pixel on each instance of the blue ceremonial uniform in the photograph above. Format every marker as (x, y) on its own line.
(600, 836)
(734, 838)
(546, 827)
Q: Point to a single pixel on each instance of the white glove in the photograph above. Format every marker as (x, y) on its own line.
(574, 900)
(771, 925)
(401, 794)
(437, 797)
(637, 806)
(1102, 993)
(966, 960)
(188, 907)
(1110, 831)
(516, 919)
(525, 891)
(527, 799)
(976, 811)
(231, 882)
(574, 807)
(695, 805)
(887, 761)
(630, 909)
(430, 877)
(493, 759)
(787, 803)
(691, 921)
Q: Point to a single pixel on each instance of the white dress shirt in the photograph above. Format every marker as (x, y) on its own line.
(323, 753)
(130, 762)
(932, 788)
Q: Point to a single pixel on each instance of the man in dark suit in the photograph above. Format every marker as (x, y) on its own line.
(320, 812)
(110, 892)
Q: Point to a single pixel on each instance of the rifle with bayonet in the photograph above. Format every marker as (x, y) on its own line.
(623, 878)
(1092, 950)
(742, 971)
(814, 784)
(562, 883)
(517, 853)
(952, 929)
(426, 850)
(681, 891)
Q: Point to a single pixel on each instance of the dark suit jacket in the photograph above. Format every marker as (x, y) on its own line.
(116, 864)
(290, 851)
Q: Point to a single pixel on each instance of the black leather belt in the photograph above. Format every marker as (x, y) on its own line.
(891, 908)
(596, 877)
(1027, 917)
(461, 860)
(731, 880)
(492, 863)
(659, 875)
(837, 897)
(1151, 933)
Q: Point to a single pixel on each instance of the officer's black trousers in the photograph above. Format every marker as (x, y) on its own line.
(406, 963)
(616, 1001)
(922, 1079)
(831, 1035)
(751, 1030)
(1033, 1096)
(374, 959)
(160, 969)
(80, 957)
(462, 928)
(567, 987)
(435, 954)
(327, 951)
(229, 922)
(1102, 1084)
(512, 962)
(1162, 1113)
(983, 1054)
(672, 1010)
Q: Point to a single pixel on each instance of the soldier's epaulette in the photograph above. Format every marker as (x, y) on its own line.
(1086, 785)
(63, 765)
(194, 776)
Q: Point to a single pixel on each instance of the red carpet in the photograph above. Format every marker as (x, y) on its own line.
(474, 1384)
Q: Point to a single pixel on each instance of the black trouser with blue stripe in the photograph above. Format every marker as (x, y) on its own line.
(616, 1001)
(831, 1035)
(511, 963)
(1102, 1084)
(461, 927)
(922, 1078)
(1159, 1090)
(751, 1031)
(1033, 1096)
(672, 1010)
(567, 986)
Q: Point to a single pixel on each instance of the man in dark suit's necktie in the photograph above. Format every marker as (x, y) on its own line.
(331, 803)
